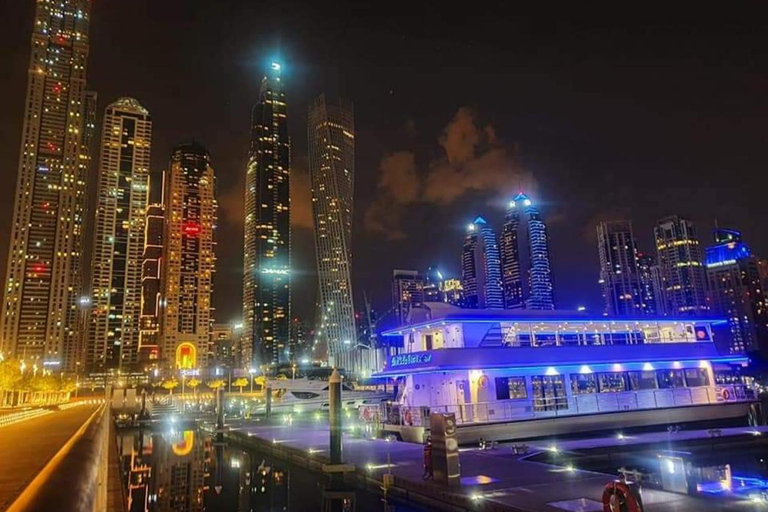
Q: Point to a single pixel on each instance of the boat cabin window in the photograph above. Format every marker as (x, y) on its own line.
(428, 341)
(583, 383)
(305, 395)
(613, 382)
(670, 379)
(724, 378)
(696, 377)
(643, 380)
(548, 393)
(510, 388)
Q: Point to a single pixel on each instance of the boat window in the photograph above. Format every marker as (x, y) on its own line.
(696, 377)
(511, 388)
(613, 382)
(723, 378)
(583, 383)
(305, 395)
(548, 393)
(643, 380)
(670, 379)
(502, 388)
(570, 339)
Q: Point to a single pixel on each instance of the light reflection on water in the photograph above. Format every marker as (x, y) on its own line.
(187, 471)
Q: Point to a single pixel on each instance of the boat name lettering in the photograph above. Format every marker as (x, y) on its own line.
(406, 359)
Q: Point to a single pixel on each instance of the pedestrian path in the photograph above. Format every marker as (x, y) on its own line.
(27, 447)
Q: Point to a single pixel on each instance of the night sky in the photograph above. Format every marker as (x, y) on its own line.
(598, 114)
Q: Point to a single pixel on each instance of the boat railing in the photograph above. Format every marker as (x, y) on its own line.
(563, 406)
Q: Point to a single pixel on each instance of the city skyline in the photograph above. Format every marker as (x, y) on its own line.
(431, 118)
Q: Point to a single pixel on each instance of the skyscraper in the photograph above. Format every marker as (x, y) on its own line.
(407, 293)
(648, 273)
(510, 259)
(619, 274)
(267, 257)
(331, 135)
(481, 267)
(118, 242)
(736, 292)
(188, 257)
(540, 292)
(151, 283)
(681, 271)
(44, 274)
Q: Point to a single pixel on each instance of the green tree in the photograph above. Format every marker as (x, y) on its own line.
(10, 378)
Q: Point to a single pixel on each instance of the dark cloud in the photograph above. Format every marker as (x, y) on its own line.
(473, 159)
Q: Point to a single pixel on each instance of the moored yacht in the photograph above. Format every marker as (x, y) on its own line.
(516, 374)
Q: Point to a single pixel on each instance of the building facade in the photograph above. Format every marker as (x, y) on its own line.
(407, 293)
(151, 284)
(481, 267)
(44, 278)
(118, 242)
(619, 273)
(648, 273)
(267, 256)
(736, 292)
(188, 261)
(511, 266)
(331, 135)
(540, 292)
(682, 279)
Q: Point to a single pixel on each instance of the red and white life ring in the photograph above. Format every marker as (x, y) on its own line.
(619, 496)
(408, 418)
(725, 394)
(366, 414)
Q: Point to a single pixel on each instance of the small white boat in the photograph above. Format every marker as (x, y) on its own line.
(302, 395)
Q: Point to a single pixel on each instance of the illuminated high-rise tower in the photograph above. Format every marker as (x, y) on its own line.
(44, 275)
(619, 274)
(267, 258)
(540, 293)
(118, 242)
(188, 260)
(481, 267)
(331, 134)
(682, 275)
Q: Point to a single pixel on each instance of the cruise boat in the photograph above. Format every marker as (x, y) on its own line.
(516, 374)
(306, 395)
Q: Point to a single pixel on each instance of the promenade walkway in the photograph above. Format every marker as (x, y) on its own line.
(497, 476)
(28, 446)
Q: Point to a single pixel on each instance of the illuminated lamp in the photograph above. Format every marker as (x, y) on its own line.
(585, 369)
(647, 367)
(184, 447)
(552, 371)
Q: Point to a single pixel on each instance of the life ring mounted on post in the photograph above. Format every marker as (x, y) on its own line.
(622, 496)
(408, 418)
(725, 394)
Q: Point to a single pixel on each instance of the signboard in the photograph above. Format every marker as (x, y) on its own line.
(409, 359)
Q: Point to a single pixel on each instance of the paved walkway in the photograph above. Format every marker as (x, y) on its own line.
(521, 484)
(26, 447)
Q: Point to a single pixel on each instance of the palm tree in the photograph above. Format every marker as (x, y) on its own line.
(193, 383)
(240, 383)
(170, 384)
(216, 384)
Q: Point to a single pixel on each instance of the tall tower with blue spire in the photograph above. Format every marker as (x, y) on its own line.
(541, 290)
(481, 267)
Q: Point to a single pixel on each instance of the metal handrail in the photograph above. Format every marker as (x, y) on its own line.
(549, 407)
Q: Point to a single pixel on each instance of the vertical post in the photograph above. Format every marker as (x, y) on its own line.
(269, 401)
(334, 391)
(219, 408)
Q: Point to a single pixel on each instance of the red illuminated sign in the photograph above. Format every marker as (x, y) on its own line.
(191, 228)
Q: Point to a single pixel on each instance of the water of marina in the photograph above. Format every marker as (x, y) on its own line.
(187, 471)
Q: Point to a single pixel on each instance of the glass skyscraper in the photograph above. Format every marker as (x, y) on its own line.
(619, 275)
(331, 135)
(118, 242)
(540, 293)
(481, 267)
(267, 256)
(736, 292)
(682, 280)
(44, 278)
